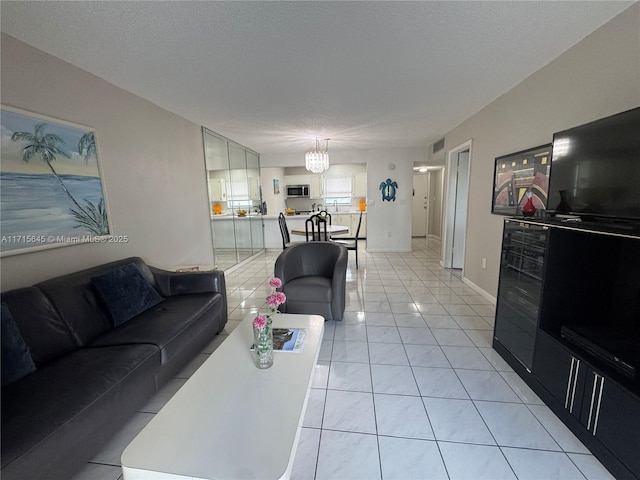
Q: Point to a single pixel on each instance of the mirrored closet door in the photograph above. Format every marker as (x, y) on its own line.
(235, 200)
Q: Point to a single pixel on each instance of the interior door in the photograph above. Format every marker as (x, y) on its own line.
(419, 208)
(460, 219)
(456, 216)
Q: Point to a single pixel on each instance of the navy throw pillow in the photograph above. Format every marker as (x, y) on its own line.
(16, 356)
(125, 292)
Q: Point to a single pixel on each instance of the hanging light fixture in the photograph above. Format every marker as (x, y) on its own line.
(318, 161)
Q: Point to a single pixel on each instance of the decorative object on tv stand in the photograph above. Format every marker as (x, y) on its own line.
(529, 209)
(262, 329)
(317, 161)
(388, 188)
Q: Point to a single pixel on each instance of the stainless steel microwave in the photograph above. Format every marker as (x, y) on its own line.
(301, 191)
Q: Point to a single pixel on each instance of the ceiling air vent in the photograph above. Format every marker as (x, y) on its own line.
(439, 145)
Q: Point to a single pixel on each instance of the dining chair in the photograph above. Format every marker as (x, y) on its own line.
(284, 231)
(351, 242)
(319, 222)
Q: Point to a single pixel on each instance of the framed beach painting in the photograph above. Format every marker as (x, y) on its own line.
(51, 188)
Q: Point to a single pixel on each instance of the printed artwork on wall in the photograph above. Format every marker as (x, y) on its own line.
(51, 188)
(276, 186)
(521, 175)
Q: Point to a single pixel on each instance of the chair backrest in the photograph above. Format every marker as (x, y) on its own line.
(325, 214)
(358, 229)
(284, 231)
(310, 225)
(310, 259)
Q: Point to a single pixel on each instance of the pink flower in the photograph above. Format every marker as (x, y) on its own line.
(260, 322)
(275, 282)
(277, 298)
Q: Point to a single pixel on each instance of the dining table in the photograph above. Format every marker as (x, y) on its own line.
(331, 230)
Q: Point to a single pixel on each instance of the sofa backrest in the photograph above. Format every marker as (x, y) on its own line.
(78, 301)
(43, 330)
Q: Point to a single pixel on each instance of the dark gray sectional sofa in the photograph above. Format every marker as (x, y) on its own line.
(90, 375)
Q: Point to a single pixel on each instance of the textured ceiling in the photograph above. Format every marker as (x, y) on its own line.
(273, 75)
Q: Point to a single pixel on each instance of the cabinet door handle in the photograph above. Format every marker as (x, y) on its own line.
(571, 384)
(593, 396)
(569, 381)
(597, 414)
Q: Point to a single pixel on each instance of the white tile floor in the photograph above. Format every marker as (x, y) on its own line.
(406, 387)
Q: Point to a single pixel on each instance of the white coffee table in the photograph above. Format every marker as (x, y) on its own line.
(231, 420)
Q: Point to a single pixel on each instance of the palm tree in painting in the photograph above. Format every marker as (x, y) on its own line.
(46, 146)
(87, 146)
(93, 217)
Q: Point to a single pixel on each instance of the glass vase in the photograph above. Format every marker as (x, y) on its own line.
(263, 341)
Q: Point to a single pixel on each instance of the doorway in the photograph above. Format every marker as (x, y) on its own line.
(458, 167)
(420, 205)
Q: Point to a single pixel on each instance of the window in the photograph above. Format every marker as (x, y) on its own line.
(337, 189)
(239, 195)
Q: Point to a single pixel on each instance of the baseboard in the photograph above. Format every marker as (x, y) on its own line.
(479, 290)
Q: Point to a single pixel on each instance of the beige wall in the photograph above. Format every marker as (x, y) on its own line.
(152, 163)
(598, 77)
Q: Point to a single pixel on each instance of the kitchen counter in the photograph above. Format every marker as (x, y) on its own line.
(226, 216)
(224, 229)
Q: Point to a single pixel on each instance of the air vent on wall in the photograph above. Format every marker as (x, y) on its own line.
(439, 145)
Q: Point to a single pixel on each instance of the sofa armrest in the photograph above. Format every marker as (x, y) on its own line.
(178, 283)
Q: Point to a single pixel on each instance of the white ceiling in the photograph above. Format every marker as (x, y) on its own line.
(274, 75)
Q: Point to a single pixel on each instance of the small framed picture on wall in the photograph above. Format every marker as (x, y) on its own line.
(276, 186)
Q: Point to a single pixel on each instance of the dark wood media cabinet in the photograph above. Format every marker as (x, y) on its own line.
(568, 322)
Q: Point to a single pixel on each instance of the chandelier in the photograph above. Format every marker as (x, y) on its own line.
(317, 161)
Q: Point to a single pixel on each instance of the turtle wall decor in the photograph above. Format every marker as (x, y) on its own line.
(388, 190)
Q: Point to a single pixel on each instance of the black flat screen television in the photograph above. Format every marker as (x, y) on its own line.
(595, 169)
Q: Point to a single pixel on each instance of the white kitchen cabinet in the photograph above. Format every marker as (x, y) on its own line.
(297, 180)
(359, 186)
(316, 189)
(342, 219)
(218, 189)
(350, 220)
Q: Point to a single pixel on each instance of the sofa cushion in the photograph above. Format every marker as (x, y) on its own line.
(126, 293)
(67, 407)
(16, 357)
(170, 325)
(43, 330)
(312, 289)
